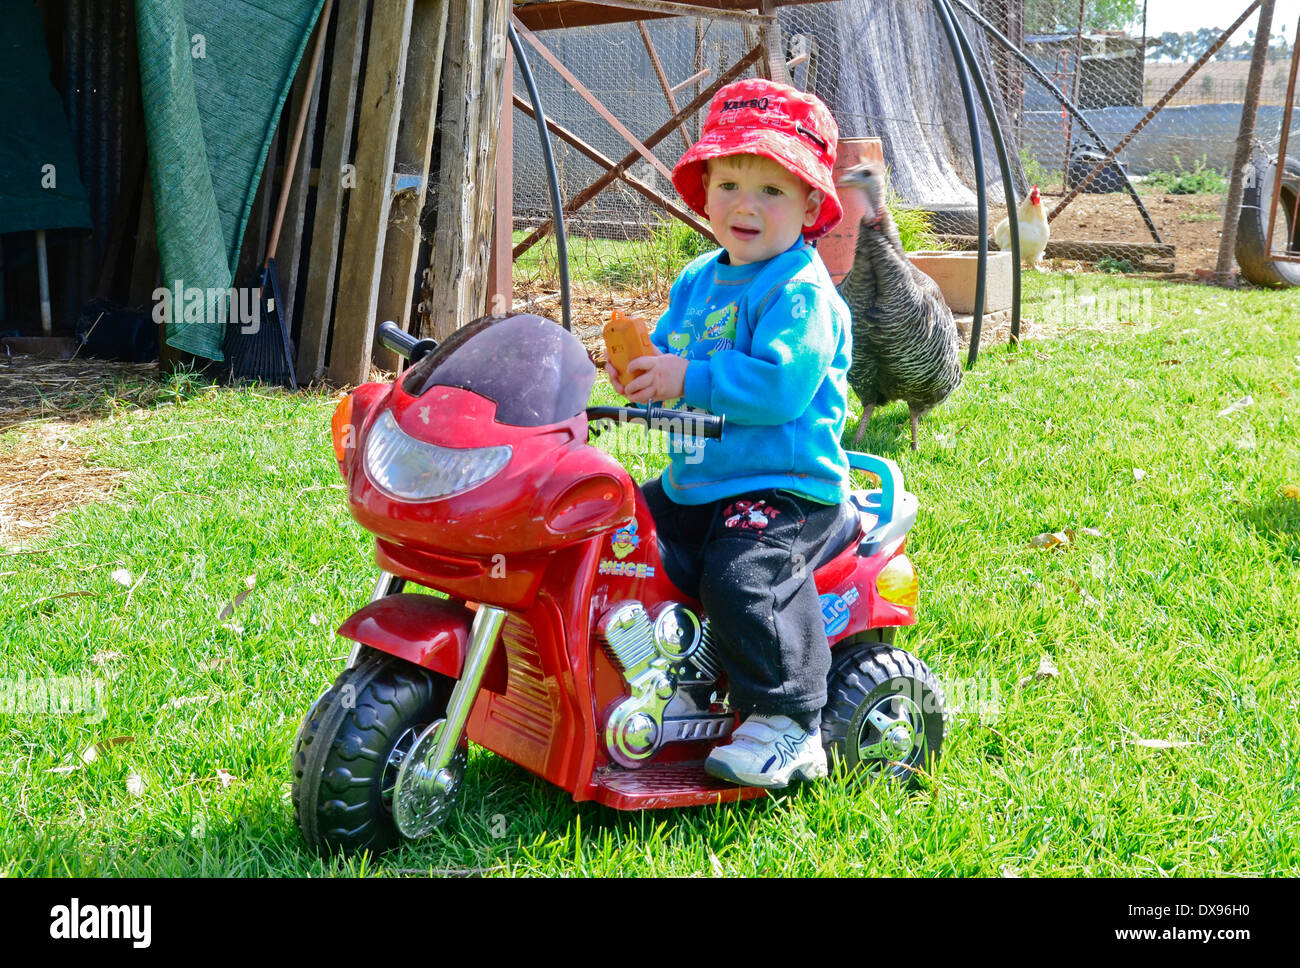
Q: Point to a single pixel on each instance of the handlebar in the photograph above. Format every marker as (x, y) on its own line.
(392, 336)
(685, 422)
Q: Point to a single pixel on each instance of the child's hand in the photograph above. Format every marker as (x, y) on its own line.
(613, 378)
(655, 378)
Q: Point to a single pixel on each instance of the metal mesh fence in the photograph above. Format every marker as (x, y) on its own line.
(886, 71)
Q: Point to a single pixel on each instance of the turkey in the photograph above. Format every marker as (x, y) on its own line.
(904, 337)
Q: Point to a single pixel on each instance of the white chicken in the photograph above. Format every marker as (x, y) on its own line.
(1034, 229)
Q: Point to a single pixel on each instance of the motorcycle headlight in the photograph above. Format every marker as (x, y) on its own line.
(415, 470)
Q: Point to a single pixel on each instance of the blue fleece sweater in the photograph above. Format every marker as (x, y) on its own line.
(769, 346)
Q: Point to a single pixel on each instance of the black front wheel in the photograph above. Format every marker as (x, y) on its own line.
(350, 748)
(885, 714)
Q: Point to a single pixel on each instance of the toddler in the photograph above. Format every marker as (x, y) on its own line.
(757, 332)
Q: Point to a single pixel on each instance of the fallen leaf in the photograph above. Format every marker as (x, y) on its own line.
(92, 752)
(1292, 491)
(1090, 532)
(122, 577)
(1009, 871)
(225, 777)
(1138, 473)
(1174, 362)
(236, 627)
(1050, 539)
(1161, 744)
(315, 618)
(1273, 384)
(135, 784)
(219, 661)
(1046, 670)
(1236, 406)
(229, 608)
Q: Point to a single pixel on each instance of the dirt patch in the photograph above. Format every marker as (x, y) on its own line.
(43, 475)
(1192, 224)
(71, 390)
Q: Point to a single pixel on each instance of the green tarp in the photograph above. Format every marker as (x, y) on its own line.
(214, 75)
(40, 182)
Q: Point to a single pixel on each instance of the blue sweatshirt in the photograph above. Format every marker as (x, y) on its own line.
(769, 346)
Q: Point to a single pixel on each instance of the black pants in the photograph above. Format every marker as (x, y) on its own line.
(750, 560)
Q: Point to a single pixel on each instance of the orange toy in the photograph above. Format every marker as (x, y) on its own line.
(626, 338)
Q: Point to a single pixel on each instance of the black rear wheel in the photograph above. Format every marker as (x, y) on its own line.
(885, 714)
(350, 747)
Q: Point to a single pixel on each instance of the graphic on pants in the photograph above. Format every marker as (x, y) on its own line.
(752, 515)
(625, 540)
(835, 610)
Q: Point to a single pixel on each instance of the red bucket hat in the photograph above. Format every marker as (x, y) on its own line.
(761, 117)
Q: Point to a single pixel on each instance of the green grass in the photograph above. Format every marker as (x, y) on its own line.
(1178, 621)
(1200, 180)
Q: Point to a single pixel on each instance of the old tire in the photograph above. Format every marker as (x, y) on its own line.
(1252, 226)
(343, 758)
(878, 697)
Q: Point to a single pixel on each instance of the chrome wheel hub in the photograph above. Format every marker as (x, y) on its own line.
(892, 735)
(422, 796)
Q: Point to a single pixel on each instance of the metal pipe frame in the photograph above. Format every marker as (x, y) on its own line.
(981, 203)
(1065, 103)
(1004, 164)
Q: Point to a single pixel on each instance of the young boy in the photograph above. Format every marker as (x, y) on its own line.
(757, 332)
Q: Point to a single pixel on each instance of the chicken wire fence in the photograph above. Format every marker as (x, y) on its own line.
(1071, 80)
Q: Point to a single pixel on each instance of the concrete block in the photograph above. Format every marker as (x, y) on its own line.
(955, 274)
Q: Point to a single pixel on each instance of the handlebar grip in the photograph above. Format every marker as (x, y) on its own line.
(393, 337)
(688, 422)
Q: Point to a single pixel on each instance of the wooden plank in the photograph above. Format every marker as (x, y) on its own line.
(289, 249)
(591, 99)
(327, 228)
(1144, 256)
(585, 13)
(684, 214)
(472, 79)
(414, 148)
(663, 79)
(501, 295)
(368, 204)
(595, 188)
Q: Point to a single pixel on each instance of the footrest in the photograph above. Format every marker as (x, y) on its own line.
(659, 785)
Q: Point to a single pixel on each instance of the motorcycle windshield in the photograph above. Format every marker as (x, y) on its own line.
(535, 370)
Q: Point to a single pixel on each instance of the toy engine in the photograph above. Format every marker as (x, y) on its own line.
(671, 671)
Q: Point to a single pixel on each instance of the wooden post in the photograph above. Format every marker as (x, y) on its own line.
(1245, 136)
(368, 204)
(411, 166)
(307, 98)
(327, 228)
(501, 264)
(475, 58)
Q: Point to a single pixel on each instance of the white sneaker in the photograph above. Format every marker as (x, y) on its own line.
(769, 751)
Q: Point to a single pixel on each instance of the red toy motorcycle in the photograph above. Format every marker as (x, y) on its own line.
(555, 637)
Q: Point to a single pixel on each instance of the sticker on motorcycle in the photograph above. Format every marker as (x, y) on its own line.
(625, 540)
(627, 569)
(835, 610)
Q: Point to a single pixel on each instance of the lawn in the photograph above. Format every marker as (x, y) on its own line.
(1165, 743)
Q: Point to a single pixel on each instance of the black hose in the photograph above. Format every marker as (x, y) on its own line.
(1066, 103)
(981, 203)
(1004, 163)
(552, 177)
